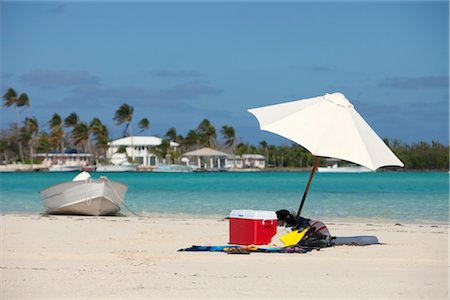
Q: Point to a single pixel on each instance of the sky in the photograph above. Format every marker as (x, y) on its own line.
(177, 63)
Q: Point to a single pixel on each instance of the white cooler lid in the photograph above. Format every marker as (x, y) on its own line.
(253, 214)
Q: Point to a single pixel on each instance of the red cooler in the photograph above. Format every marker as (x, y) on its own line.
(252, 227)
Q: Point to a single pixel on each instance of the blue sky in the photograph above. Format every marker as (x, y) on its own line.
(177, 63)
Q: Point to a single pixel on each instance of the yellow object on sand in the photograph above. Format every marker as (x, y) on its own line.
(292, 238)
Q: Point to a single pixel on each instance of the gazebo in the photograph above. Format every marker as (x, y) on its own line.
(207, 158)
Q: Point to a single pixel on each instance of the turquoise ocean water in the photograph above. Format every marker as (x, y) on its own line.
(392, 196)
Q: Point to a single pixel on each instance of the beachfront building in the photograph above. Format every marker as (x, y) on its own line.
(206, 158)
(210, 159)
(247, 161)
(253, 161)
(68, 158)
(139, 148)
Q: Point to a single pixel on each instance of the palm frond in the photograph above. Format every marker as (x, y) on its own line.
(95, 123)
(55, 122)
(124, 114)
(72, 120)
(80, 133)
(144, 124)
(32, 124)
(23, 100)
(10, 98)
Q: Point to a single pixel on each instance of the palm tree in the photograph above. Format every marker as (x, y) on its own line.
(10, 99)
(144, 124)
(80, 135)
(125, 115)
(201, 131)
(171, 134)
(24, 101)
(25, 136)
(162, 150)
(57, 133)
(71, 121)
(97, 128)
(32, 126)
(44, 144)
(211, 133)
(192, 138)
(265, 148)
(4, 150)
(100, 133)
(206, 133)
(229, 135)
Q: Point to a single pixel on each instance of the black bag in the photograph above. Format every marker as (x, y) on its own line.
(317, 236)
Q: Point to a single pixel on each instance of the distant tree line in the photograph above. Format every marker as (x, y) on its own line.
(421, 155)
(415, 156)
(25, 137)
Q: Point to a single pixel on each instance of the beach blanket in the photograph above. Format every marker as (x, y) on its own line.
(234, 249)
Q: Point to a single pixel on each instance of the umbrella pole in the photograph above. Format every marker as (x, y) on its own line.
(313, 171)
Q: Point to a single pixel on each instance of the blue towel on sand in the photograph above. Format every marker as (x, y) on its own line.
(234, 249)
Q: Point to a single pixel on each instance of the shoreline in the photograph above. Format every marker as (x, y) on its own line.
(181, 216)
(35, 168)
(81, 257)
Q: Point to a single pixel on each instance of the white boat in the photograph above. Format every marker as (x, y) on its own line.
(84, 195)
(126, 167)
(343, 169)
(163, 168)
(65, 168)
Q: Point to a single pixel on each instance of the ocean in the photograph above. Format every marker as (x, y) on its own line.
(380, 196)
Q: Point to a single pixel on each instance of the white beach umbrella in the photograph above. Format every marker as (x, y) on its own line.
(327, 126)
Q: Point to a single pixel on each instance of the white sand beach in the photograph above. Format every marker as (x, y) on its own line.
(60, 257)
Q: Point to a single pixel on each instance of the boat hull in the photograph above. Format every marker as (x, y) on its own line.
(91, 197)
(64, 168)
(117, 168)
(358, 169)
(173, 169)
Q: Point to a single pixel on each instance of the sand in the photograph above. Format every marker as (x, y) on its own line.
(76, 257)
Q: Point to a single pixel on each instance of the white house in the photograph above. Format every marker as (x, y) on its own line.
(253, 161)
(137, 147)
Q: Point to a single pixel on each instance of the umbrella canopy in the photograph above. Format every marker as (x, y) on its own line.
(327, 126)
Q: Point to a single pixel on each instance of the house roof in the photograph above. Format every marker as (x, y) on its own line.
(206, 152)
(141, 141)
